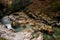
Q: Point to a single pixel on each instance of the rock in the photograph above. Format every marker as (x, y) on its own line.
(10, 35)
(12, 17)
(40, 37)
(15, 24)
(48, 29)
(23, 36)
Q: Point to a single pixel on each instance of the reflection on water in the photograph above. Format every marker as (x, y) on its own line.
(8, 26)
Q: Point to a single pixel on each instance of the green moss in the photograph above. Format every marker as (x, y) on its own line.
(3, 39)
(48, 37)
(54, 36)
(57, 33)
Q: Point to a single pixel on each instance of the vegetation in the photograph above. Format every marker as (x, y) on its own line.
(19, 5)
(52, 10)
(3, 39)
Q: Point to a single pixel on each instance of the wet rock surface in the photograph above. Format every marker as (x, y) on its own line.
(14, 26)
(11, 35)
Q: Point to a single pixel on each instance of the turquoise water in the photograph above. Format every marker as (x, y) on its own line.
(19, 29)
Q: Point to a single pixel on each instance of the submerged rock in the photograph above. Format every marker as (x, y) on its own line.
(15, 24)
